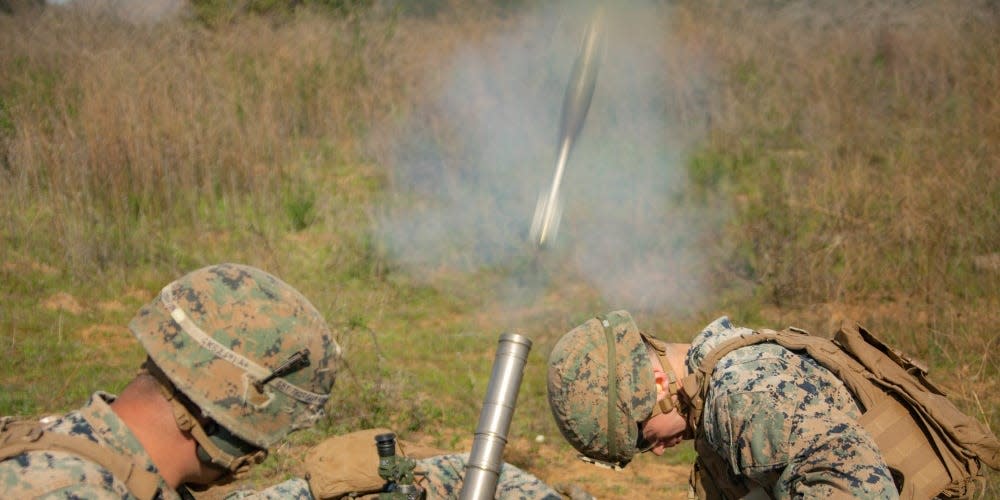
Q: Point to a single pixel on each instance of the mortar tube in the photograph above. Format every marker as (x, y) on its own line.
(483, 467)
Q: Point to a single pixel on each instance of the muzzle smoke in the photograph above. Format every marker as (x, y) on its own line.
(468, 166)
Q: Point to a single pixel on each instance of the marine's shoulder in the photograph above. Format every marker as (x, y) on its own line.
(66, 469)
(743, 369)
(57, 474)
(710, 338)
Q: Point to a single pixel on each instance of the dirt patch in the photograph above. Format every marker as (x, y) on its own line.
(111, 306)
(109, 338)
(139, 294)
(63, 301)
(647, 476)
(988, 262)
(45, 269)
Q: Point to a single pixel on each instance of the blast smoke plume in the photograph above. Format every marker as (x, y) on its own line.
(469, 165)
(143, 12)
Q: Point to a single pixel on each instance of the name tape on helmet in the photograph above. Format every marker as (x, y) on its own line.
(224, 353)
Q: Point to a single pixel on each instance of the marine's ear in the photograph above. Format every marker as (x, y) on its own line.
(662, 384)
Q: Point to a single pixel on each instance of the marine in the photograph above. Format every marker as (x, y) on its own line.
(780, 424)
(237, 360)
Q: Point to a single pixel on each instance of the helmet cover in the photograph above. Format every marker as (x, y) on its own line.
(580, 387)
(219, 331)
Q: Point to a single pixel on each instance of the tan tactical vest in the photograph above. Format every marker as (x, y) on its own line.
(931, 447)
(21, 436)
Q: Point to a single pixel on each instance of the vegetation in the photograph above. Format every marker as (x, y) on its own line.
(843, 162)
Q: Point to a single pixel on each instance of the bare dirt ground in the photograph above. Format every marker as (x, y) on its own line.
(647, 477)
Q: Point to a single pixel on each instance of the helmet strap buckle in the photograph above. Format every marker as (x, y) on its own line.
(665, 405)
(208, 451)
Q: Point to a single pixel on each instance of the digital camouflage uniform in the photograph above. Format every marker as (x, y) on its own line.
(58, 474)
(784, 422)
(445, 473)
(292, 489)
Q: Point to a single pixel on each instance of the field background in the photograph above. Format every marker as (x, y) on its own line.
(783, 163)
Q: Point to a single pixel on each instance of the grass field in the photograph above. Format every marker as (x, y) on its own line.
(784, 163)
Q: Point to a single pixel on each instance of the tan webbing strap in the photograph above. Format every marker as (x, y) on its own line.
(905, 447)
(847, 369)
(696, 384)
(922, 436)
(238, 466)
(665, 405)
(25, 436)
(609, 338)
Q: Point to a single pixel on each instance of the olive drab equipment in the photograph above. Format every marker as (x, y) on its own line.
(931, 447)
(22, 436)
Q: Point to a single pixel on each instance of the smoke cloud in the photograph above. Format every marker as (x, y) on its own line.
(141, 12)
(469, 167)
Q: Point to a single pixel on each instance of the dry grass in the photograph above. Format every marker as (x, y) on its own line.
(876, 130)
(142, 128)
(842, 158)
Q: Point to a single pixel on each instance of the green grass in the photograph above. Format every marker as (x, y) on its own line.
(49, 364)
(862, 183)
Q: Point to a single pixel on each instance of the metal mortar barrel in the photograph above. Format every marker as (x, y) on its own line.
(483, 467)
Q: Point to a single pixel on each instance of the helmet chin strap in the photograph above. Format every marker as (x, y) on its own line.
(210, 448)
(675, 387)
(665, 405)
(221, 448)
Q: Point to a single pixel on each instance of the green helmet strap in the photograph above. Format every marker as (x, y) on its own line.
(609, 335)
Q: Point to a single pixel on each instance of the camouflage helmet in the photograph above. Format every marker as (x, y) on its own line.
(222, 334)
(601, 387)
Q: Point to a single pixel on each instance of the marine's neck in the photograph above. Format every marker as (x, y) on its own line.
(150, 419)
(676, 356)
